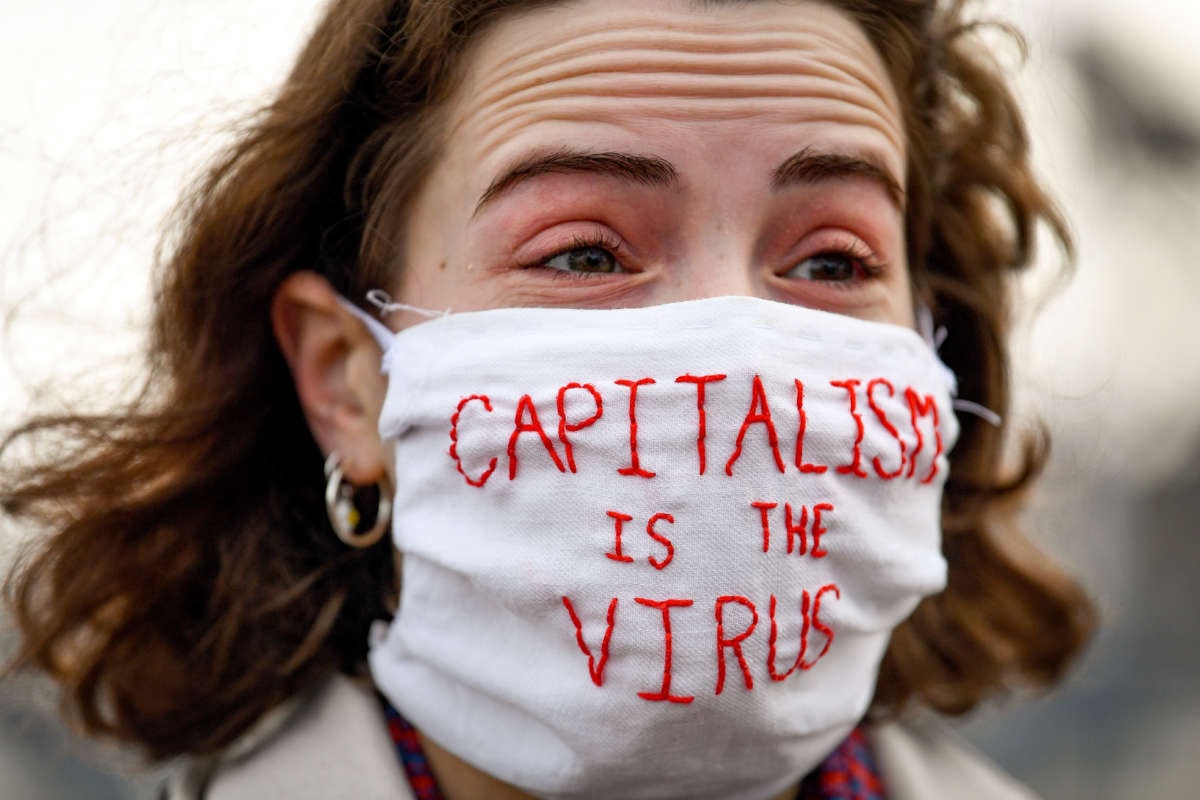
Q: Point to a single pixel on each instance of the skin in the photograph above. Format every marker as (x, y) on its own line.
(752, 149)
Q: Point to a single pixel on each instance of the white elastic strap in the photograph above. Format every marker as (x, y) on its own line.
(935, 338)
(381, 333)
(925, 325)
(382, 301)
(975, 409)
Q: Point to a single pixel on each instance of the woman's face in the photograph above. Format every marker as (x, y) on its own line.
(609, 153)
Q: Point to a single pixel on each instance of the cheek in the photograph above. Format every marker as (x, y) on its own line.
(439, 274)
(431, 263)
(901, 310)
(457, 287)
(897, 305)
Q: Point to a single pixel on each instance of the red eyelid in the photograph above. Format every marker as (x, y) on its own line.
(561, 239)
(840, 242)
(833, 241)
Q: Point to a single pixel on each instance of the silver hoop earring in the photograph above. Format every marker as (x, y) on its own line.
(343, 511)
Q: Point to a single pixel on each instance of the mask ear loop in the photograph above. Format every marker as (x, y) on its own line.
(977, 410)
(382, 334)
(385, 305)
(935, 338)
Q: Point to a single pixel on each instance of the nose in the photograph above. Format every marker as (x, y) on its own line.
(717, 250)
(718, 274)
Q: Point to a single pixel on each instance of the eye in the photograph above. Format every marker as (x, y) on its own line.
(830, 267)
(586, 258)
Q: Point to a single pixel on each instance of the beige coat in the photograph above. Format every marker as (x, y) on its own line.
(331, 745)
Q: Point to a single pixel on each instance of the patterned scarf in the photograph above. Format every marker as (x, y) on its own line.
(848, 773)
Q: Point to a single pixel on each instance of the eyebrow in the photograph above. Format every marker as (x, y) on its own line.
(812, 166)
(808, 166)
(644, 170)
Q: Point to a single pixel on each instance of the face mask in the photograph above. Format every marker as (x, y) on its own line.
(656, 552)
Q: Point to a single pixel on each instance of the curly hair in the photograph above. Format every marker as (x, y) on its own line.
(188, 581)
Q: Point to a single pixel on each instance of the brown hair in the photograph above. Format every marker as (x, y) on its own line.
(190, 581)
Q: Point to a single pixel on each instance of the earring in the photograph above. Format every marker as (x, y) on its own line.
(343, 512)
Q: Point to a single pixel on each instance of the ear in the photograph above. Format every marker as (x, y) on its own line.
(335, 365)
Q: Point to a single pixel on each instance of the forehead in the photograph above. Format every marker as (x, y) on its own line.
(788, 75)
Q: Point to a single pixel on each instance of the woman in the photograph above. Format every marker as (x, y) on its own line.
(666, 526)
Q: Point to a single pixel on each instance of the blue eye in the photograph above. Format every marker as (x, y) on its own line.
(828, 268)
(585, 258)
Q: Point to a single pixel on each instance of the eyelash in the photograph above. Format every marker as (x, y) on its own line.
(857, 252)
(863, 257)
(598, 239)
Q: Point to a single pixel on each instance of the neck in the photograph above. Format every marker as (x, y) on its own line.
(458, 780)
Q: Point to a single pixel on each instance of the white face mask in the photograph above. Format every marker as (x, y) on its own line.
(656, 552)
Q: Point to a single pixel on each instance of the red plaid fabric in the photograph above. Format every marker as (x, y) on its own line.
(412, 757)
(848, 773)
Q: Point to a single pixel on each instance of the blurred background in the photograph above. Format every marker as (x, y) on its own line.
(109, 108)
